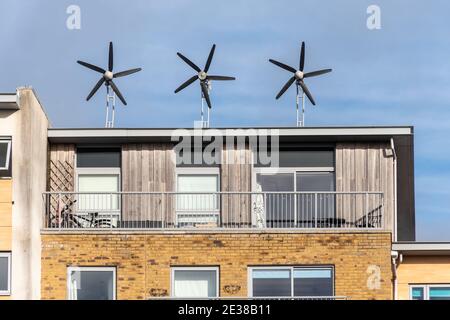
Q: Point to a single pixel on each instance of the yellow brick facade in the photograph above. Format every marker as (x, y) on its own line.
(144, 260)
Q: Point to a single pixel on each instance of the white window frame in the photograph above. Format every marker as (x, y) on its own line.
(426, 289)
(81, 269)
(101, 171)
(174, 269)
(287, 268)
(8, 152)
(8, 256)
(198, 171)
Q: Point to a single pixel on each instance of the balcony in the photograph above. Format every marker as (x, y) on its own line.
(218, 210)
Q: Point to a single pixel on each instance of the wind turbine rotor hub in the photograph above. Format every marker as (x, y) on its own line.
(108, 75)
(202, 75)
(299, 75)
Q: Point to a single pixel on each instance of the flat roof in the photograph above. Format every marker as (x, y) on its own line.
(137, 134)
(8, 101)
(420, 248)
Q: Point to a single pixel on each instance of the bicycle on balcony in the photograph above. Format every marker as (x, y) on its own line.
(69, 220)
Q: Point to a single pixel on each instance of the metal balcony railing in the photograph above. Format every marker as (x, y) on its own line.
(217, 210)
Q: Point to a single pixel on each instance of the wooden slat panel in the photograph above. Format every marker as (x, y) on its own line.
(365, 167)
(148, 168)
(236, 176)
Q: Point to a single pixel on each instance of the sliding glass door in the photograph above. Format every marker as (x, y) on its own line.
(315, 209)
(279, 204)
(302, 199)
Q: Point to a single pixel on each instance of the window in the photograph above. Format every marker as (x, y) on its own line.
(430, 292)
(5, 273)
(95, 181)
(286, 209)
(196, 202)
(91, 283)
(5, 157)
(98, 157)
(418, 293)
(291, 282)
(98, 176)
(309, 157)
(201, 282)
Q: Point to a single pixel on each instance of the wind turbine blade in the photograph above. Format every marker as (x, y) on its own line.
(186, 83)
(94, 90)
(208, 62)
(285, 87)
(126, 72)
(221, 78)
(116, 90)
(306, 91)
(91, 66)
(189, 62)
(316, 73)
(205, 93)
(302, 57)
(111, 57)
(282, 65)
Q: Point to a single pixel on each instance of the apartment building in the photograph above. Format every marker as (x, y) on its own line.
(231, 212)
(422, 270)
(23, 163)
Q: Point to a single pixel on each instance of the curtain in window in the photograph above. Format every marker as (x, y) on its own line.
(197, 208)
(197, 183)
(194, 284)
(102, 202)
(91, 285)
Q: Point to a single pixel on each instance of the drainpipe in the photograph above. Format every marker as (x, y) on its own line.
(394, 257)
(395, 188)
(396, 260)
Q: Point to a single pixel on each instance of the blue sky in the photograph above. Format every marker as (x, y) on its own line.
(398, 75)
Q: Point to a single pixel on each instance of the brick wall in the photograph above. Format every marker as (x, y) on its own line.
(143, 261)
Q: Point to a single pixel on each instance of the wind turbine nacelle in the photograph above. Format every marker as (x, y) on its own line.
(299, 75)
(108, 75)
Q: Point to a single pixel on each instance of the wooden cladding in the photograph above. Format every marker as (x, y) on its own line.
(365, 167)
(236, 175)
(148, 168)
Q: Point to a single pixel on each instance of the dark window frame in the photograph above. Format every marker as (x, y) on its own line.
(81, 269)
(291, 269)
(6, 171)
(97, 157)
